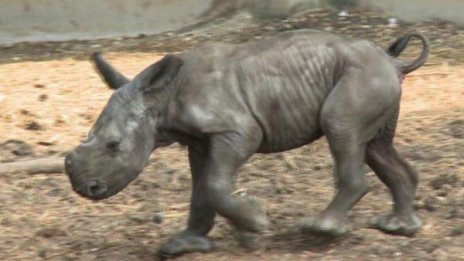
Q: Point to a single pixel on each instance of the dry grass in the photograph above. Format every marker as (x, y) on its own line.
(63, 97)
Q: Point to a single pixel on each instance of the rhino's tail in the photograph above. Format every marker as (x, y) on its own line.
(397, 47)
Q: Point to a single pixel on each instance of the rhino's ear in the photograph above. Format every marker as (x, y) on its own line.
(159, 74)
(113, 78)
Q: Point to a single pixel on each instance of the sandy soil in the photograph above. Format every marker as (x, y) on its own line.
(51, 103)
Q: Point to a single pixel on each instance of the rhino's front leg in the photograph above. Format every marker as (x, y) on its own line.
(213, 170)
(227, 153)
(202, 213)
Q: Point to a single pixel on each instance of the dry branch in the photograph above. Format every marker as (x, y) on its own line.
(430, 74)
(35, 166)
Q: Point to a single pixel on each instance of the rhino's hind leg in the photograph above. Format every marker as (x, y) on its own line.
(351, 187)
(348, 150)
(401, 179)
(350, 120)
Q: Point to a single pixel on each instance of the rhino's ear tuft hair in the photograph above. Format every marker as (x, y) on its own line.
(159, 74)
(113, 78)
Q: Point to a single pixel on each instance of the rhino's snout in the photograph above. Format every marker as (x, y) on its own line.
(72, 164)
(68, 164)
(93, 188)
(96, 175)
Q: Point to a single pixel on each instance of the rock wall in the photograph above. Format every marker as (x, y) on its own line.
(417, 10)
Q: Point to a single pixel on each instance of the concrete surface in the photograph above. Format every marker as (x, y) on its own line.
(57, 20)
(41, 20)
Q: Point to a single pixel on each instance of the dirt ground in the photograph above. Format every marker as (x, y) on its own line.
(50, 97)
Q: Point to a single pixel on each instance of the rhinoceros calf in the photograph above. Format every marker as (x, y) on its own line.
(226, 102)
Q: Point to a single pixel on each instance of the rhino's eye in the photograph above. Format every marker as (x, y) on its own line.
(113, 146)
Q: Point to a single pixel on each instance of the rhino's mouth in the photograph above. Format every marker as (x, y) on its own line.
(92, 189)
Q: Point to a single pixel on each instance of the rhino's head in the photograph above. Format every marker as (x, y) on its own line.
(119, 144)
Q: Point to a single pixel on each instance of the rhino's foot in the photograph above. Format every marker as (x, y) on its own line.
(185, 243)
(249, 240)
(397, 225)
(326, 226)
(250, 216)
(251, 223)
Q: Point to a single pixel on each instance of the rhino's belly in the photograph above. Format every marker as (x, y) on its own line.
(283, 132)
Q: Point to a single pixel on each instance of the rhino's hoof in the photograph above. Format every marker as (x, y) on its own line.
(249, 240)
(325, 227)
(251, 216)
(183, 244)
(394, 224)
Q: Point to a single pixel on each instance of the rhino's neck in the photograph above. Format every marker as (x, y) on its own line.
(161, 116)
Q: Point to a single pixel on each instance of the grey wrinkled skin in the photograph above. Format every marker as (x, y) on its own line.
(227, 102)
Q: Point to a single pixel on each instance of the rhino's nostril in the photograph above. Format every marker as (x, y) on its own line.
(96, 189)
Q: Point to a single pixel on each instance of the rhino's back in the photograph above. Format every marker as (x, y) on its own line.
(281, 81)
(285, 80)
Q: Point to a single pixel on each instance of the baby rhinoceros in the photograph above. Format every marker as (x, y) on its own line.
(226, 102)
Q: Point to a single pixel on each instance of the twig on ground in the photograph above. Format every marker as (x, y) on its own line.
(35, 166)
